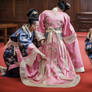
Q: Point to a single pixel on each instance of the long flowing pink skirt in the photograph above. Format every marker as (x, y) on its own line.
(55, 71)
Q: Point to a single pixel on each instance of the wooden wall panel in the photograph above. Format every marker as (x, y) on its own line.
(84, 16)
(89, 5)
(5, 10)
(83, 5)
(52, 4)
(19, 9)
(15, 10)
(37, 4)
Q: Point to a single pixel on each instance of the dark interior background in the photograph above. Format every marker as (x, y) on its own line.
(14, 11)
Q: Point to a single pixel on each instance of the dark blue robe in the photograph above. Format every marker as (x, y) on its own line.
(24, 38)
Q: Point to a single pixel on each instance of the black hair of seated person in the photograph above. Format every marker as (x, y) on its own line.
(32, 15)
(63, 5)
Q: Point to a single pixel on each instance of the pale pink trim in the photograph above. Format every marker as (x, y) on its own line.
(70, 39)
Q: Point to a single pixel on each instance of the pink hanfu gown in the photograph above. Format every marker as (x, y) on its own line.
(57, 70)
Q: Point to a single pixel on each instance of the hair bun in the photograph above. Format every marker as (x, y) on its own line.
(31, 12)
(32, 15)
(62, 4)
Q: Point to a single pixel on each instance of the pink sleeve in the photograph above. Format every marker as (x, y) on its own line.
(68, 29)
(41, 27)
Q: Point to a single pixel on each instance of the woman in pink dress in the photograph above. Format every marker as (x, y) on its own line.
(55, 69)
(71, 42)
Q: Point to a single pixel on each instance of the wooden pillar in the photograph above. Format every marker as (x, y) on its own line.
(83, 5)
(13, 8)
(77, 6)
(5, 35)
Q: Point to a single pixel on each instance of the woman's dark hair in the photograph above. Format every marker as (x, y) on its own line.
(90, 32)
(32, 15)
(62, 4)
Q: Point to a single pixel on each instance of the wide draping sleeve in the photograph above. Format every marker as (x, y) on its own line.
(68, 32)
(14, 36)
(71, 42)
(13, 39)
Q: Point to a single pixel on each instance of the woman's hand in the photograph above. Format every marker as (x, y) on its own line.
(43, 57)
(42, 42)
